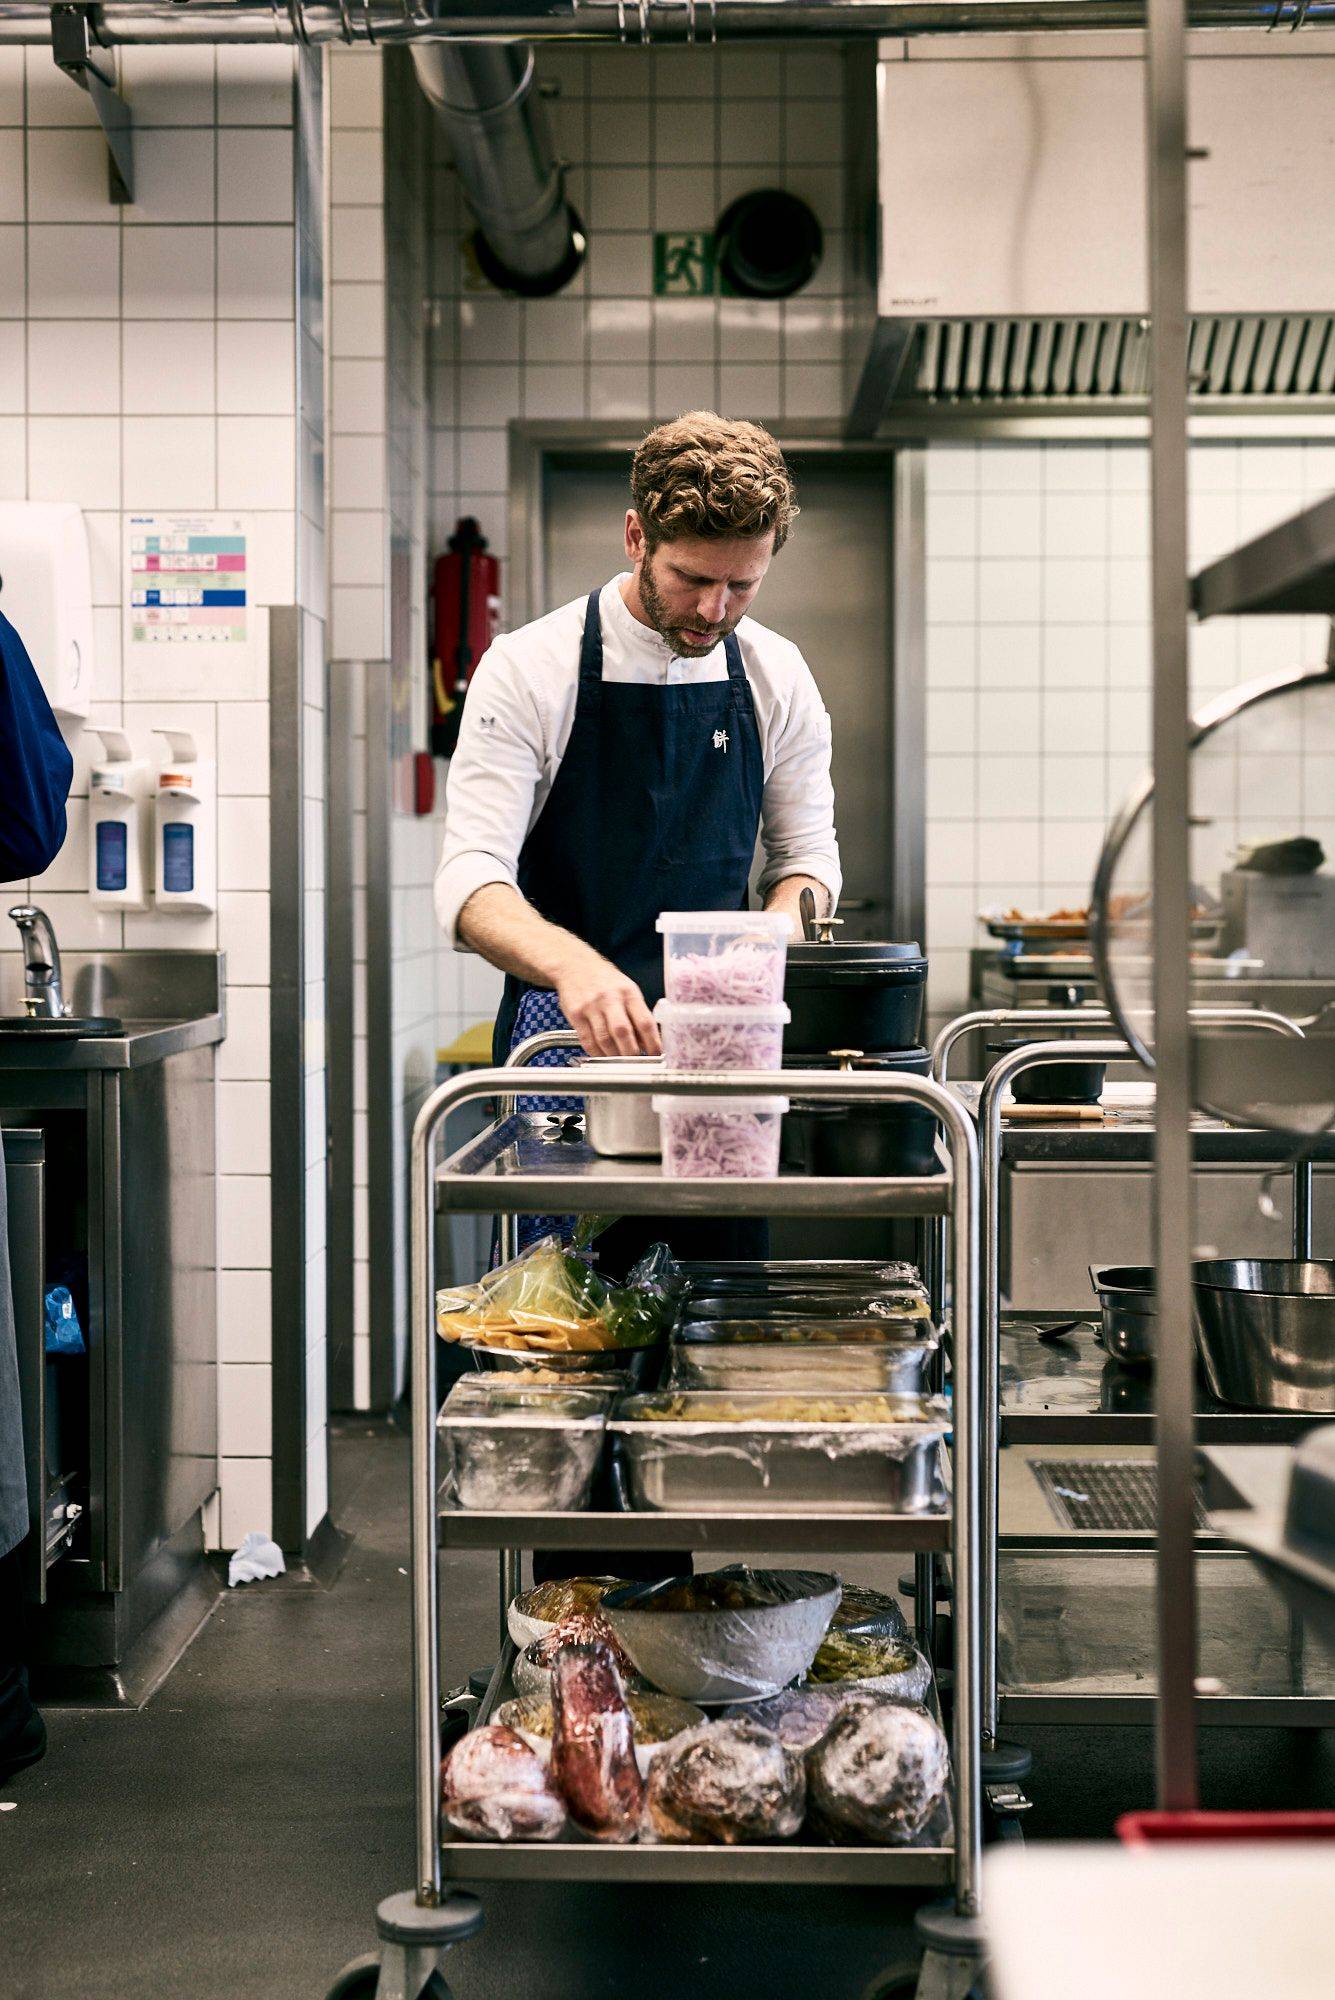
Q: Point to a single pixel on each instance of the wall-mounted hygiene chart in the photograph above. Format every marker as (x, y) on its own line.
(191, 625)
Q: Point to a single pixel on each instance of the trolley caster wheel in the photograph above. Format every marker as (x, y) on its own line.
(359, 1980)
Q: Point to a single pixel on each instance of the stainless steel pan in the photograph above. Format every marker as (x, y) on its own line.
(1126, 1310)
(1265, 1328)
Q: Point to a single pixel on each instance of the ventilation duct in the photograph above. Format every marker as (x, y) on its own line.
(528, 238)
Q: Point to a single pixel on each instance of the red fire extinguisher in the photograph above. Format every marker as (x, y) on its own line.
(466, 592)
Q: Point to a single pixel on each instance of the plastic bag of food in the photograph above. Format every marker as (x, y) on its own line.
(593, 1743)
(878, 1774)
(547, 1300)
(892, 1667)
(534, 1612)
(534, 1666)
(799, 1716)
(494, 1787)
(725, 1782)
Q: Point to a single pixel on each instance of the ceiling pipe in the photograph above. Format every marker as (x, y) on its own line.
(528, 238)
(631, 21)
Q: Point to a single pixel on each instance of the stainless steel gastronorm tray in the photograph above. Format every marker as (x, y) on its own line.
(893, 1367)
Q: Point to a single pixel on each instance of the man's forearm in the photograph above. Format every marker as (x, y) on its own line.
(501, 926)
(787, 895)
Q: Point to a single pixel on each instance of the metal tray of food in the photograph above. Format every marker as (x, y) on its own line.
(892, 1306)
(703, 1452)
(520, 1446)
(788, 1367)
(784, 1274)
(833, 1329)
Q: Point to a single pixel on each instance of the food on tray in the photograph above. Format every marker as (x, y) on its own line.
(869, 1659)
(533, 1667)
(552, 1601)
(656, 1719)
(735, 1633)
(861, 1605)
(878, 1774)
(593, 1743)
(896, 1366)
(494, 1787)
(799, 1717)
(521, 1446)
(548, 1300)
(869, 1331)
(725, 1781)
(698, 1407)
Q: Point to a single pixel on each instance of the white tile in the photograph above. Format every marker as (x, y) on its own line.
(11, 176)
(684, 198)
(357, 547)
(952, 656)
(243, 749)
(1010, 656)
(245, 1316)
(244, 1224)
(357, 472)
(749, 329)
(244, 937)
(256, 367)
(952, 592)
(623, 331)
(1071, 849)
(619, 198)
(246, 1483)
(53, 98)
(553, 330)
(255, 176)
(244, 1055)
(358, 628)
(684, 133)
(950, 851)
(1128, 525)
(355, 86)
(811, 389)
(74, 271)
(317, 1481)
(1076, 590)
(14, 262)
(169, 462)
(951, 788)
(951, 720)
(357, 244)
(952, 468)
(168, 86)
(13, 365)
(1074, 787)
(490, 329)
(1128, 591)
(255, 85)
(11, 86)
(73, 367)
(1007, 720)
(243, 843)
(1129, 654)
(483, 456)
(620, 265)
(1010, 592)
(1075, 468)
(245, 1410)
(273, 560)
(357, 321)
(951, 916)
(813, 329)
(1075, 524)
(952, 525)
(1007, 787)
(750, 390)
(1075, 656)
(173, 176)
(168, 367)
(553, 392)
(489, 396)
(1008, 850)
(75, 458)
(168, 930)
(1004, 468)
(13, 457)
(243, 1128)
(69, 870)
(256, 273)
(679, 386)
(168, 273)
(356, 168)
(683, 329)
(1074, 722)
(619, 392)
(256, 461)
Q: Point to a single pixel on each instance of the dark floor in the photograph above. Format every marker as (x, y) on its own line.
(230, 1840)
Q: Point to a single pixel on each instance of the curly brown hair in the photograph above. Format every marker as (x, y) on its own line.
(708, 475)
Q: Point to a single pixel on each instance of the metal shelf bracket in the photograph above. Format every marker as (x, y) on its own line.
(75, 52)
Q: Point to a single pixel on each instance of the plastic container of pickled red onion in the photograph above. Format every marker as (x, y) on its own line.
(720, 1138)
(722, 1038)
(724, 958)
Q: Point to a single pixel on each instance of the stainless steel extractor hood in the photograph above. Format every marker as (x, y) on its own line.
(1011, 267)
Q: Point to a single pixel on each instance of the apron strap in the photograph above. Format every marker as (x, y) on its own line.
(732, 653)
(591, 645)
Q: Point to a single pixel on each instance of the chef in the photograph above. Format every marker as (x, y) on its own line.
(35, 773)
(619, 757)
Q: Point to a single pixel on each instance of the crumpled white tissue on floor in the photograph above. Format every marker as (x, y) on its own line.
(256, 1558)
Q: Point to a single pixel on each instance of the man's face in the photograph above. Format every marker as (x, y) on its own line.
(694, 590)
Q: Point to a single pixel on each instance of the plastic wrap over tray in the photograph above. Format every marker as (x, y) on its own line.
(720, 1651)
(520, 1447)
(656, 1719)
(894, 1303)
(709, 1453)
(894, 1668)
(894, 1368)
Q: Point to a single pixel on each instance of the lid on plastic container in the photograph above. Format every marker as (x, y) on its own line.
(770, 923)
(752, 1104)
(701, 1013)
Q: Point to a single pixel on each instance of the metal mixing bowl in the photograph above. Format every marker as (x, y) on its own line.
(1265, 1328)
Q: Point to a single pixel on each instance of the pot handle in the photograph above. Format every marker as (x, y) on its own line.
(1096, 1272)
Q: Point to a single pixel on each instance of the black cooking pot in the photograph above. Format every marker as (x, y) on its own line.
(1056, 1082)
(873, 1140)
(858, 995)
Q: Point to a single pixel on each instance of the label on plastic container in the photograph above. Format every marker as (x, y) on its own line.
(178, 859)
(112, 853)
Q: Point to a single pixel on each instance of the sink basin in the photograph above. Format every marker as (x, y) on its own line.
(69, 1027)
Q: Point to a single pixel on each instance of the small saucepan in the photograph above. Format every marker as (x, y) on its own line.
(1071, 1082)
(1127, 1312)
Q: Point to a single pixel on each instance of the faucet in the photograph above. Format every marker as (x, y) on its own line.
(42, 995)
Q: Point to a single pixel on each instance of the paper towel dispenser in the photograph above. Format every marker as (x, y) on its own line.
(46, 593)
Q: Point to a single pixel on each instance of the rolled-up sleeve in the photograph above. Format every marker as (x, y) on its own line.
(797, 815)
(35, 766)
(489, 795)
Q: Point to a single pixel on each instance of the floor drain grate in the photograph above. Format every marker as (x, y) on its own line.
(1102, 1493)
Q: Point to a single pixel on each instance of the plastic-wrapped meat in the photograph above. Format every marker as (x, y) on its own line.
(533, 1667)
(593, 1743)
(799, 1717)
(493, 1787)
(879, 1774)
(725, 1781)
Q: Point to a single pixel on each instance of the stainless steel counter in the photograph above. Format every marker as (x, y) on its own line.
(168, 1002)
(141, 1043)
(1125, 1133)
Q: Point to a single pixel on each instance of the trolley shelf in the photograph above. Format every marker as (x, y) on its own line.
(850, 1534)
(530, 1165)
(599, 1861)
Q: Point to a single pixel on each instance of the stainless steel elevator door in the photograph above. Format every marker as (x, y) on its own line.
(828, 590)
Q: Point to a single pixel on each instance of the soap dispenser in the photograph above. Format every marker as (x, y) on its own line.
(186, 864)
(119, 869)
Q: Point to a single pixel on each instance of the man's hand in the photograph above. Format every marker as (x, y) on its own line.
(606, 1010)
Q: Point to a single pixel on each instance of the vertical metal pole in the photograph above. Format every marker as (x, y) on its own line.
(965, 1553)
(509, 1587)
(1302, 1209)
(1174, 1375)
(423, 1557)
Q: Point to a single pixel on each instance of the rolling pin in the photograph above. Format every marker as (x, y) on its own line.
(1053, 1114)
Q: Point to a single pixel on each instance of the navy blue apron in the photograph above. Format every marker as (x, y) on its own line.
(656, 806)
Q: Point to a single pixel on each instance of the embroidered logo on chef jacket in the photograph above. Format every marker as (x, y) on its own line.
(721, 740)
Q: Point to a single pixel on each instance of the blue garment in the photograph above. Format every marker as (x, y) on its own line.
(656, 806)
(35, 766)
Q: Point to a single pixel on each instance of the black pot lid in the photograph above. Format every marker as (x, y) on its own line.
(854, 958)
(1072, 1035)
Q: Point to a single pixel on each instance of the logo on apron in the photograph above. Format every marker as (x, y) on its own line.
(721, 740)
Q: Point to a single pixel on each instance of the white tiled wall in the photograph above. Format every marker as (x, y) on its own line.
(1038, 658)
(147, 361)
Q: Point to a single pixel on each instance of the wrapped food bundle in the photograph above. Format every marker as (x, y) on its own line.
(534, 1667)
(548, 1301)
(494, 1787)
(534, 1612)
(517, 1445)
(800, 1717)
(724, 1636)
(891, 1667)
(725, 1782)
(863, 1609)
(878, 1774)
(655, 1718)
(593, 1743)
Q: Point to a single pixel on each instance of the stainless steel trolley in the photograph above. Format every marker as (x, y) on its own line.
(517, 1166)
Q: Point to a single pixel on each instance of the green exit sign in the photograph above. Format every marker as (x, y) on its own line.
(683, 264)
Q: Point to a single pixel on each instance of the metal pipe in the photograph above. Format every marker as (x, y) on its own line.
(391, 22)
(484, 97)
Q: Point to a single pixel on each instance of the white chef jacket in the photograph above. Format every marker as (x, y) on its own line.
(520, 712)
